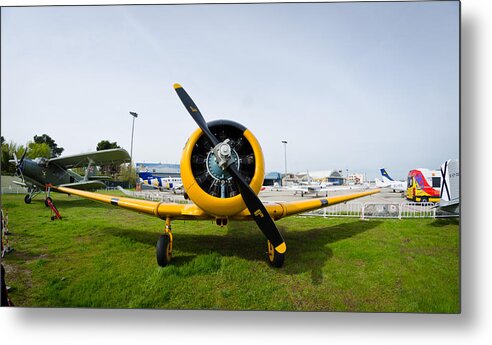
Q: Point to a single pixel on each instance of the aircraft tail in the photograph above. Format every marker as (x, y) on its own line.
(450, 182)
(385, 175)
(144, 175)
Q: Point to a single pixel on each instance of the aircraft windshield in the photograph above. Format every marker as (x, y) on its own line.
(40, 160)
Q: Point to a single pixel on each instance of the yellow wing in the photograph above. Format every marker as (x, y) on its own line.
(164, 210)
(159, 209)
(279, 210)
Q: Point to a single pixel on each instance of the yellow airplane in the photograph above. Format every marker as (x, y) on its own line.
(222, 171)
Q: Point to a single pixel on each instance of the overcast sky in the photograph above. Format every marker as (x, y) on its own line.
(355, 86)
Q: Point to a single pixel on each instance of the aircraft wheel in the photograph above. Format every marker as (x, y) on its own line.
(275, 258)
(46, 201)
(27, 199)
(163, 250)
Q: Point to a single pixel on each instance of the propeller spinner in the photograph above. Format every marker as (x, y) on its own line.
(225, 160)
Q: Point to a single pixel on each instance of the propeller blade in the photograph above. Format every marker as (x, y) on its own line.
(195, 113)
(23, 156)
(258, 211)
(19, 166)
(253, 203)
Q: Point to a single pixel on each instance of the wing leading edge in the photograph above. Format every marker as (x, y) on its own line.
(158, 209)
(280, 210)
(110, 156)
(163, 210)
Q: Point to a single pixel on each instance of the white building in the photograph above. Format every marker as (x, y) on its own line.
(355, 178)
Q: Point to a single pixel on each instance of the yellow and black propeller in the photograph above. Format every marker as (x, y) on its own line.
(222, 153)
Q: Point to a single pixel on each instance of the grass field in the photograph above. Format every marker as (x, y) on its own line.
(104, 257)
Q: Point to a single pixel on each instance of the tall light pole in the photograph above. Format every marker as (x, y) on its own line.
(134, 115)
(285, 155)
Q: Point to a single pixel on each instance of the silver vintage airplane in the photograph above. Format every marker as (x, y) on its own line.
(40, 173)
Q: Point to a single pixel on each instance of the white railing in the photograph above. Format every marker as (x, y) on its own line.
(153, 195)
(339, 210)
(382, 210)
(417, 210)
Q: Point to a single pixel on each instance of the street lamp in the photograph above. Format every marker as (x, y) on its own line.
(134, 115)
(285, 155)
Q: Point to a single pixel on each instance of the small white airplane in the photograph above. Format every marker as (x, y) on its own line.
(450, 186)
(310, 187)
(316, 188)
(397, 186)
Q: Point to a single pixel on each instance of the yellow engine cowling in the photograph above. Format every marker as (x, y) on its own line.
(207, 186)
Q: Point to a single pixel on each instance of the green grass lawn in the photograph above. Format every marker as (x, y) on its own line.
(104, 257)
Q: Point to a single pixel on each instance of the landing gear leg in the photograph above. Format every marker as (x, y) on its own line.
(48, 193)
(275, 258)
(32, 192)
(164, 247)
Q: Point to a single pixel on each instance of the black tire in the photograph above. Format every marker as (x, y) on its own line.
(46, 201)
(424, 199)
(163, 250)
(27, 199)
(275, 258)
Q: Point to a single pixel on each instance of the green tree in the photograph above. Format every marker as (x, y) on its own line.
(45, 138)
(128, 173)
(35, 150)
(106, 145)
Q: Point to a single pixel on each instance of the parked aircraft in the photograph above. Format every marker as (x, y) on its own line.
(310, 187)
(38, 173)
(450, 187)
(321, 188)
(317, 188)
(397, 186)
(222, 170)
(168, 183)
(380, 184)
